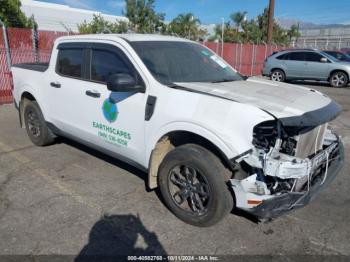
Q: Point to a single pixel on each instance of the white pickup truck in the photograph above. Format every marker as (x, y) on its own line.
(209, 138)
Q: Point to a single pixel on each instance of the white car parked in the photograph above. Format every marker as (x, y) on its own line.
(210, 138)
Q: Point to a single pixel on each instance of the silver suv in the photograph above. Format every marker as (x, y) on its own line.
(307, 65)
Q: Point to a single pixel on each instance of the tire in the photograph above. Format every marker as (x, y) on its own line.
(278, 75)
(36, 126)
(339, 79)
(210, 195)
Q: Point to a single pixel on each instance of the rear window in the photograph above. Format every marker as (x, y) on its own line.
(69, 62)
(283, 57)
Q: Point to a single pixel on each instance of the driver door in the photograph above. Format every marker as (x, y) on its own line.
(316, 68)
(109, 121)
(116, 120)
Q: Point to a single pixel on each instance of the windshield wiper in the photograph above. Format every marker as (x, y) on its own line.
(230, 80)
(223, 80)
(173, 85)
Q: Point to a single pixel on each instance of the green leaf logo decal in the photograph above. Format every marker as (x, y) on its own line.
(110, 110)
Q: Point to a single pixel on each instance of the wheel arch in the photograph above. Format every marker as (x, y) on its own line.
(338, 70)
(27, 95)
(278, 68)
(174, 138)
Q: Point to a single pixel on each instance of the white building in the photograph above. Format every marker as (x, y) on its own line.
(56, 17)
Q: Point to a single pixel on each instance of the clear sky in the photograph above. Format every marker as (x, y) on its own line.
(211, 11)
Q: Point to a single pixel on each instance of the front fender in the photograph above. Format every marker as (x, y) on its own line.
(225, 148)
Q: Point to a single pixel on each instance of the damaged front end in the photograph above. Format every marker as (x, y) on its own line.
(286, 168)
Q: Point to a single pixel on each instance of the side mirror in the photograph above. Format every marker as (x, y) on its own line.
(123, 83)
(324, 60)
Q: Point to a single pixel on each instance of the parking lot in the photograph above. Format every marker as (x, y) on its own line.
(68, 199)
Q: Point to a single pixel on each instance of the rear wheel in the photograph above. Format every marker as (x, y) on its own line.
(278, 75)
(192, 183)
(339, 79)
(36, 127)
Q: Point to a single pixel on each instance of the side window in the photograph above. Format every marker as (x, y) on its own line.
(283, 57)
(69, 62)
(313, 57)
(105, 63)
(296, 56)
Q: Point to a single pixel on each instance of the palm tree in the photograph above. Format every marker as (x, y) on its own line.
(293, 32)
(238, 18)
(185, 25)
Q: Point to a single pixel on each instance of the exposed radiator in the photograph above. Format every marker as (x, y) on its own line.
(310, 142)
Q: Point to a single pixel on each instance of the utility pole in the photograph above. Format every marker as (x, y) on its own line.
(271, 21)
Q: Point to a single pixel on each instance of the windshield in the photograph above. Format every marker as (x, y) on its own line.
(170, 62)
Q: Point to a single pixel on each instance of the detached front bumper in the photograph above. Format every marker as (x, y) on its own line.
(286, 202)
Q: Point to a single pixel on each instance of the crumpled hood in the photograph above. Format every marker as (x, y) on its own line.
(279, 99)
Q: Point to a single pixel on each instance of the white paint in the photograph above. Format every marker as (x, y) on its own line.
(227, 123)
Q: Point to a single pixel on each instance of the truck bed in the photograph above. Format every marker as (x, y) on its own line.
(41, 67)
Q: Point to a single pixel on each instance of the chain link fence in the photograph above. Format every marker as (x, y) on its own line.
(248, 59)
(22, 46)
(323, 43)
(324, 38)
(28, 46)
(5, 64)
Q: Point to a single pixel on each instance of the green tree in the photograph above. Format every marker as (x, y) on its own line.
(99, 25)
(187, 26)
(255, 30)
(143, 17)
(32, 23)
(280, 36)
(251, 32)
(230, 34)
(12, 16)
(238, 18)
(293, 32)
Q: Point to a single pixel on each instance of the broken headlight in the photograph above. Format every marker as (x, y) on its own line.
(265, 135)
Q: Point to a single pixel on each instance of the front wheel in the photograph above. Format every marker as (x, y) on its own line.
(339, 79)
(278, 75)
(192, 183)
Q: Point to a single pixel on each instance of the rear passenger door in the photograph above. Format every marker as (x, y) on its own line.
(296, 65)
(67, 89)
(315, 68)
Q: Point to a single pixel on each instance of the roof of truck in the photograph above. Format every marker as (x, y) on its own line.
(127, 37)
